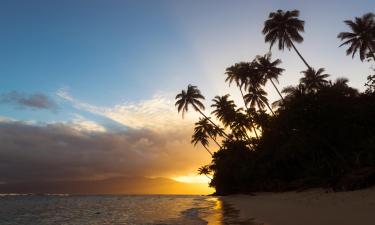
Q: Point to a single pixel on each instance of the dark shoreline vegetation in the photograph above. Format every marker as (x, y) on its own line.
(320, 133)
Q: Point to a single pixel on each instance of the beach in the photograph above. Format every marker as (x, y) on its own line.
(311, 207)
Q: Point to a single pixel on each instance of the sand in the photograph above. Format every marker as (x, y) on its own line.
(312, 207)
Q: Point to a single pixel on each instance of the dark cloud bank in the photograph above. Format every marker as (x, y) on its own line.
(49, 157)
(33, 101)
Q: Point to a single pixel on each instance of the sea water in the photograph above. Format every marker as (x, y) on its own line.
(116, 210)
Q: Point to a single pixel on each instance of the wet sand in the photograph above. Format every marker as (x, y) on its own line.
(312, 207)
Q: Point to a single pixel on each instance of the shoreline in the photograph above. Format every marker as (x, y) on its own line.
(310, 207)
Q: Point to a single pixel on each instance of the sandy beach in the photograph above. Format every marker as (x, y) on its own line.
(312, 207)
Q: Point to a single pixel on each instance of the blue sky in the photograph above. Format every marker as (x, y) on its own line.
(113, 66)
(109, 52)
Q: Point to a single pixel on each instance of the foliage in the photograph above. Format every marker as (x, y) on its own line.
(321, 133)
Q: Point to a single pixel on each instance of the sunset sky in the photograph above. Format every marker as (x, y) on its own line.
(87, 87)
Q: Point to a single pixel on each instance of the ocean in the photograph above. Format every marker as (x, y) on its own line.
(116, 210)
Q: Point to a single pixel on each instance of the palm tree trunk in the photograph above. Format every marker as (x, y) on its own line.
(208, 150)
(222, 132)
(247, 109)
(217, 143)
(268, 106)
(277, 89)
(299, 54)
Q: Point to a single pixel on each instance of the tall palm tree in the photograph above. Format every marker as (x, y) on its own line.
(225, 109)
(203, 125)
(269, 69)
(314, 80)
(201, 137)
(192, 96)
(205, 170)
(239, 73)
(362, 36)
(257, 97)
(284, 28)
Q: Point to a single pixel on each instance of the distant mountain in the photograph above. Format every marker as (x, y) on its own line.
(118, 185)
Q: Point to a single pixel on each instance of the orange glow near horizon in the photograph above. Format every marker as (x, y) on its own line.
(193, 179)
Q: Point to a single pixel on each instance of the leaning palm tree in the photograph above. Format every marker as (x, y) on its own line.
(362, 37)
(203, 125)
(284, 28)
(201, 137)
(269, 69)
(205, 170)
(256, 97)
(240, 73)
(225, 109)
(314, 80)
(192, 96)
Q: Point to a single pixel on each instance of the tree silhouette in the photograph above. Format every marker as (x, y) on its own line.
(362, 37)
(240, 73)
(205, 170)
(203, 125)
(256, 97)
(224, 109)
(314, 80)
(192, 97)
(269, 69)
(284, 27)
(200, 137)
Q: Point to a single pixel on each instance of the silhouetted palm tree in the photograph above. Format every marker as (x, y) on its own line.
(362, 37)
(294, 91)
(314, 80)
(203, 125)
(241, 124)
(225, 109)
(205, 170)
(240, 73)
(284, 27)
(257, 97)
(269, 69)
(200, 137)
(192, 97)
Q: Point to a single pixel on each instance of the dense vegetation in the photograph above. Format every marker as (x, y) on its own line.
(320, 133)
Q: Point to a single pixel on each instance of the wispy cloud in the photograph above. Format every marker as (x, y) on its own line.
(157, 113)
(33, 101)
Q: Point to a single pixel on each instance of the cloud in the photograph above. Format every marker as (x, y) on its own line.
(157, 113)
(82, 124)
(34, 101)
(59, 151)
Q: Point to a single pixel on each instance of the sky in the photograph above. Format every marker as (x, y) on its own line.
(87, 87)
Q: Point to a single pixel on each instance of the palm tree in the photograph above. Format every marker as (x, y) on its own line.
(203, 125)
(314, 80)
(269, 69)
(284, 27)
(201, 137)
(192, 97)
(257, 97)
(362, 37)
(241, 124)
(205, 170)
(294, 91)
(240, 73)
(224, 109)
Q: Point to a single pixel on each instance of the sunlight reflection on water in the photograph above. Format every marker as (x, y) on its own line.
(119, 210)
